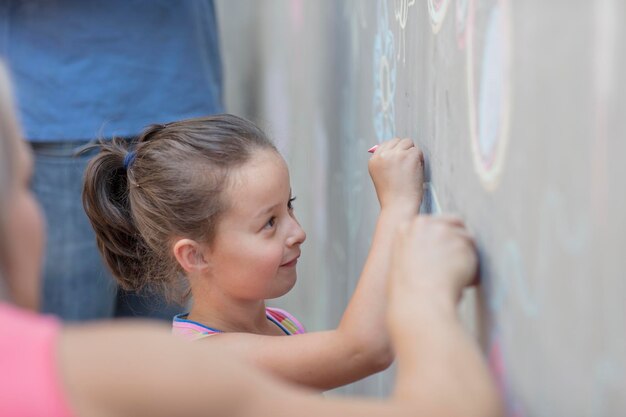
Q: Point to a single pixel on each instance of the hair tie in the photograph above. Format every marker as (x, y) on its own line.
(129, 159)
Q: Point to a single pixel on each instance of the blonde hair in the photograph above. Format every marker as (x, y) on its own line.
(10, 133)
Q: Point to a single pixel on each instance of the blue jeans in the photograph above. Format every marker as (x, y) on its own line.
(76, 284)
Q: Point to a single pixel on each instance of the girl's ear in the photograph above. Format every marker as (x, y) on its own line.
(189, 255)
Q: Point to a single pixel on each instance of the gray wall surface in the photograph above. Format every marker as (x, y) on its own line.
(518, 106)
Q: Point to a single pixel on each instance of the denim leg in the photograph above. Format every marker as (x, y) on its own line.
(132, 304)
(76, 284)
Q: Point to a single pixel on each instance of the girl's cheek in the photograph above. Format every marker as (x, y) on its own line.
(271, 261)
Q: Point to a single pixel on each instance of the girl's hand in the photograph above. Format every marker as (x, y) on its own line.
(397, 170)
(433, 258)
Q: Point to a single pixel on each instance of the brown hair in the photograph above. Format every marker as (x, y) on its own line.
(172, 186)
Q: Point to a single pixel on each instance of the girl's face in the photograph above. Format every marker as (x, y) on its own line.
(257, 241)
(25, 233)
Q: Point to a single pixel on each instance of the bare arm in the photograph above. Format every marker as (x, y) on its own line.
(319, 360)
(422, 309)
(364, 318)
(135, 369)
(396, 169)
(139, 370)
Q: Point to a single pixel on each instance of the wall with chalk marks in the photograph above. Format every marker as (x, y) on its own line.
(518, 108)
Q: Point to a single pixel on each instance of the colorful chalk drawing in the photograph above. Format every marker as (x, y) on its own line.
(489, 123)
(384, 77)
(402, 16)
(461, 22)
(437, 10)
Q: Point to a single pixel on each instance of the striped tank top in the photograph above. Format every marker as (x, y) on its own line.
(192, 330)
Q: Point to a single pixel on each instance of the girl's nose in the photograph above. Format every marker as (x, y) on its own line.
(297, 235)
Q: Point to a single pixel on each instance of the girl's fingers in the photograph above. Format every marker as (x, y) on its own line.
(405, 143)
(387, 145)
(418, 152)
(395, 143)
(451, 219)
(457, 226)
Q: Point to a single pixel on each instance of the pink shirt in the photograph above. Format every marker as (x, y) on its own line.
(30, 384)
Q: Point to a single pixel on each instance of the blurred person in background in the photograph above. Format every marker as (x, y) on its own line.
(87, 69)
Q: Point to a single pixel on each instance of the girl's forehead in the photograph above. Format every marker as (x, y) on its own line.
(262, 167)
(261, 181)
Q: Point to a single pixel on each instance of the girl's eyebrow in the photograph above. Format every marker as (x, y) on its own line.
(264, 212)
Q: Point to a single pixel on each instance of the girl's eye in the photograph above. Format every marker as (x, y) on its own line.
(270, 223)
(290, 203)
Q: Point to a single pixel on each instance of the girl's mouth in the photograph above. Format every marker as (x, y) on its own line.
(293, 262)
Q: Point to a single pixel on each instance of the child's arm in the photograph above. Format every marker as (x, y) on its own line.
(422, 308)
(396, 169)
(133, 369)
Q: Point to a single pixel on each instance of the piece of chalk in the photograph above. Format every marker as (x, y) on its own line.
(373, 149)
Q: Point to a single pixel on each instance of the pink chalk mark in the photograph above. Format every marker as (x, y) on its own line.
(497, 366)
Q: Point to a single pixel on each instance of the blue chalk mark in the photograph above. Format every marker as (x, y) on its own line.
(384, 77)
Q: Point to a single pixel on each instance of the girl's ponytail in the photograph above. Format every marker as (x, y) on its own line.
(107, 203)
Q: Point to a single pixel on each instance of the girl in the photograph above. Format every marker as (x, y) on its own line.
(116, 368)
(207, 202)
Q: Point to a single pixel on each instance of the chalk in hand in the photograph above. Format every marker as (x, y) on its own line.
(373, 149)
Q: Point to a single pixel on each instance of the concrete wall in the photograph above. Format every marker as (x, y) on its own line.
(518, 107)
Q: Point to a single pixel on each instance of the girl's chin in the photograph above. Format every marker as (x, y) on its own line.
(284, 289)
